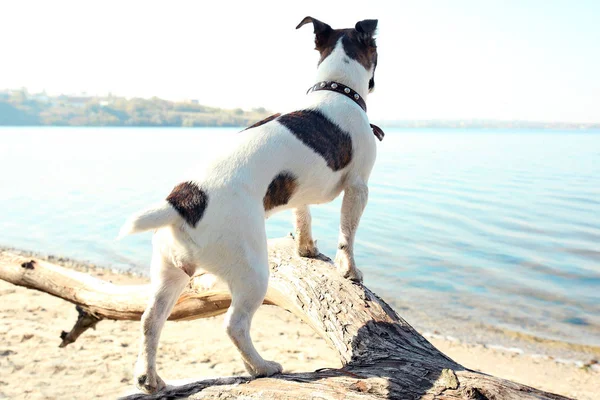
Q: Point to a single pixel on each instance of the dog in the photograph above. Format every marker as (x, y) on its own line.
(216, 220)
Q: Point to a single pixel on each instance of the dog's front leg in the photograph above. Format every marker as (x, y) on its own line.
(304, 240)
(356, 195)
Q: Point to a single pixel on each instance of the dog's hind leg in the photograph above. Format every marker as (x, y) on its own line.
(167, 283)
(248, 286)
(304, 240)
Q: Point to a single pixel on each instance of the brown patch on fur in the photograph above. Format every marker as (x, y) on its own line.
(324, 137)
(190, 202)
(360, 48)
(280, 190)
(326, 45)
(264, 121)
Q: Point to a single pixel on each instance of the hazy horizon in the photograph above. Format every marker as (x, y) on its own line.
(82, 109)
(466, 60)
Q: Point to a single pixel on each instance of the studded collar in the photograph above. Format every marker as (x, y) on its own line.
(340, 88)
(351, 94)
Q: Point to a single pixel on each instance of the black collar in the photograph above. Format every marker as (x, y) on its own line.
(350, 93)
(339, 88)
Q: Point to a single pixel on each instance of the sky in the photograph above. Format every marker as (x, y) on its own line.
(463, 59)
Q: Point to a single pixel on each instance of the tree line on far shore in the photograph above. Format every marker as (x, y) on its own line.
(20, 108)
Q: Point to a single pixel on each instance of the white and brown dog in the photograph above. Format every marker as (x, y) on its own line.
(216, 220)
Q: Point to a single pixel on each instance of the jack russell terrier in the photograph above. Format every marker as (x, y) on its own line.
(216, 220)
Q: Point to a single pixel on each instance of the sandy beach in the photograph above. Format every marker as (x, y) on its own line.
(99, 364)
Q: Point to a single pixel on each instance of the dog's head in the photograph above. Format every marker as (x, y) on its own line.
(358, 42)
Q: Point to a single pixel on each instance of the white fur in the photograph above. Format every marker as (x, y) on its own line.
(152, 218)
(230, 240)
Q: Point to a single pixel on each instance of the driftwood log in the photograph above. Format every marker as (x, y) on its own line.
(383, 356)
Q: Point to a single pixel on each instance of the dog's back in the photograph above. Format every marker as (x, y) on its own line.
(298, 158)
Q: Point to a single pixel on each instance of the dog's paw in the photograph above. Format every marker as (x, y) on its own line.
(347, 268)
(308, 249)
(354, 274)
(149, 383)
(313, 252)
(267, 368)
(308, 252)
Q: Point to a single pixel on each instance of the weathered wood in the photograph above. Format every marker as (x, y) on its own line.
(85, 321)
(383, 356)
(103, 299)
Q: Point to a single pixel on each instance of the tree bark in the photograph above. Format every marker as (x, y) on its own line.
(383, 356)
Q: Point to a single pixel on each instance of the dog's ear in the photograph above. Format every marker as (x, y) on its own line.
(366, 27)
(321, 29)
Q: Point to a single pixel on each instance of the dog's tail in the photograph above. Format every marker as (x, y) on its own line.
(153, 218)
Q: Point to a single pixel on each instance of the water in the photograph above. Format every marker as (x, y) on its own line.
(500, 228)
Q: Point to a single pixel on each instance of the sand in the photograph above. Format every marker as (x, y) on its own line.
(100, 363)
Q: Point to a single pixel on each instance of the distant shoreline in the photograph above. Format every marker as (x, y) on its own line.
(21, 108)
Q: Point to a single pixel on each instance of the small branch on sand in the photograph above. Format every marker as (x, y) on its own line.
(383, 356)
(85, 320)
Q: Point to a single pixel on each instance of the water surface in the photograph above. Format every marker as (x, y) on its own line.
(495, 227)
